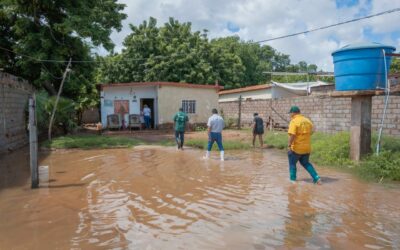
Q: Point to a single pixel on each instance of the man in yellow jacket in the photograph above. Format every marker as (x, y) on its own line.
(299, 145)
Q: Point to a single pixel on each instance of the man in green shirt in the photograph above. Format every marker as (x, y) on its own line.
(180, 120)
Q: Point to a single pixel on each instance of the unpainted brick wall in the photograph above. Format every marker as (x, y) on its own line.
(329, 115)
(14, 94)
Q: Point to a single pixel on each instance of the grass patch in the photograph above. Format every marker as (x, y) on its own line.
(99, 141)
(385, 166)
(90, 142)
(334, 150)
(228, 144)
(165, 143)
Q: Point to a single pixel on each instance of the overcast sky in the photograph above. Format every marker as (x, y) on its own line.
(263, 19)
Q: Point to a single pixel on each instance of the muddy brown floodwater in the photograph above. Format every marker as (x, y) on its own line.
(160, 198)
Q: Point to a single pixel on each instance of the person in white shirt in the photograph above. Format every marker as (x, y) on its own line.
(147, 116)
(215, 126)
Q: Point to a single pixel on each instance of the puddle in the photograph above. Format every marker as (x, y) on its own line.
(161, 198)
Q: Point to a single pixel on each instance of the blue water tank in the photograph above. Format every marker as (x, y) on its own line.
(361, 66)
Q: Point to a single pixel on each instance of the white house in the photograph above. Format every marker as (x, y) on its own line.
(163, 98)
(287, 90)
(274, 90)
(248, 93)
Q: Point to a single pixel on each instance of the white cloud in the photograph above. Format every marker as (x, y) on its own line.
(261, 19)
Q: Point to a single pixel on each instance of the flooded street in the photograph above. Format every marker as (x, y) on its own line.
(161, 198)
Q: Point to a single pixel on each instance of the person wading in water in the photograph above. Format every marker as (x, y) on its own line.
(180, 120)
(299, 144)
(215, 126)
(258, 130)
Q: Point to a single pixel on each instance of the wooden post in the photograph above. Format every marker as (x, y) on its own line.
(240, 112)
(58, 97)
(360, 131)
(33, 143)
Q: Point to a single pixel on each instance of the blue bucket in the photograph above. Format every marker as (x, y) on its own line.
(361, 66)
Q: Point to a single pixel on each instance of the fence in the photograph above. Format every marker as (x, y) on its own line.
(328, 114)
(14, 94)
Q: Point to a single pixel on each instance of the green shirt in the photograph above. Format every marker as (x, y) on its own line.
(180, 120)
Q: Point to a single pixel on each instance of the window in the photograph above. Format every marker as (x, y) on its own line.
(189, 106)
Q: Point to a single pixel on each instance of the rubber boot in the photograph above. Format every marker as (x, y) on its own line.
(222, 153)
(207, 156)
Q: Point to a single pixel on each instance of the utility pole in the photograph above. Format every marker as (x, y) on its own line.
(33, 148)
(240, 112)
(58, 97)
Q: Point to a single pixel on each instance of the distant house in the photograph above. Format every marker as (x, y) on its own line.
(276, 90)
(287, 90)
(163, 98)
(247, 93)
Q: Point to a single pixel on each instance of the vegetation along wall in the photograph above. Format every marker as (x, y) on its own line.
(328, 114)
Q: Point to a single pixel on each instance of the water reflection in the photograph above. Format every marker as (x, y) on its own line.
(160, 198)
(300, 219)
(166, 196)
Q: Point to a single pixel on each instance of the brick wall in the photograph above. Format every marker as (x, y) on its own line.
(14, 94)
(328, 114)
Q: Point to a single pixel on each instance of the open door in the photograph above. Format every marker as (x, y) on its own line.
(150, 103)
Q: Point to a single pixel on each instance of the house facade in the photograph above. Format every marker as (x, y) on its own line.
(255, 92)
(163, 98)
(274, 91)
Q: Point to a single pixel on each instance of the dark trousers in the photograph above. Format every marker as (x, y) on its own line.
(179, 138)
(304, 161)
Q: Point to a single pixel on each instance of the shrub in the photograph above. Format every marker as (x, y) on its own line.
(231, 123)
(386, 166)
(64, 119)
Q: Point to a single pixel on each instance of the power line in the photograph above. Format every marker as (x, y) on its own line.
(330, 26)
(84, 61)
(261, 41)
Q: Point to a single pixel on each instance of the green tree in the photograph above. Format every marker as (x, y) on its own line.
(302, 66)
(256, 59)
(395, 66)
(173, 52)
(170, 53)
(56, 30)
(312, 68)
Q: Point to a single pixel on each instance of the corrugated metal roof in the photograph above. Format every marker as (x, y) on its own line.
(245, 89)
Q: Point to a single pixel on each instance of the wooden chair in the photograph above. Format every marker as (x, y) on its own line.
(113, 122)
(134, 122)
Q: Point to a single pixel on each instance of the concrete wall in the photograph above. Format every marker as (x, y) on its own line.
(329, 115)
(14, 94)
(126, 93)
(170, 100)
(254, 94)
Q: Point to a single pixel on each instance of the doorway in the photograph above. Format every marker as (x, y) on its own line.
(150, 103)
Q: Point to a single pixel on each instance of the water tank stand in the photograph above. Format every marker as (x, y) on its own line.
(360, 125)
